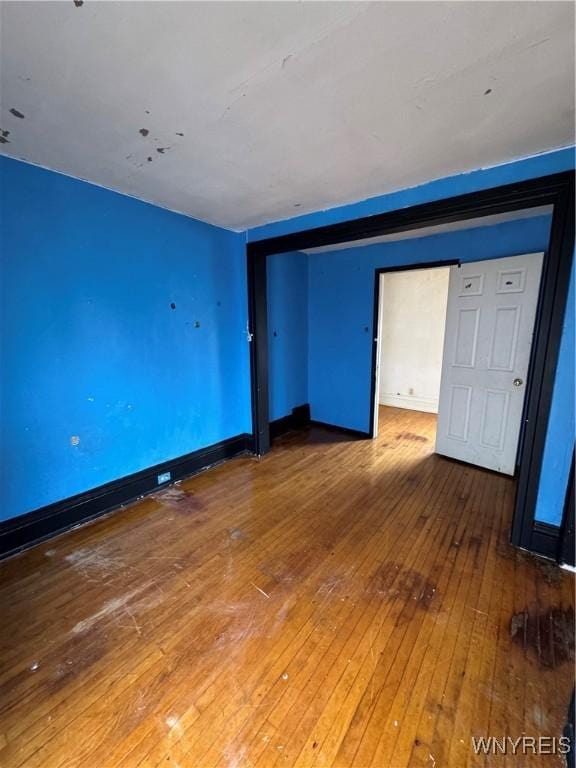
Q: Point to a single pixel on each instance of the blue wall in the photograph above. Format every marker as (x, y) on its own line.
(561, 426)
(91, 347)
(341, 294)
(287, 333)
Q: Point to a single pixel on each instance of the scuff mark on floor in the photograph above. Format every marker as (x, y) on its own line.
(95, 564)
(236, 534)
(110, 607)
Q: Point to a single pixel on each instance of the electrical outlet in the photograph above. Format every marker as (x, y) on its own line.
(165, 477)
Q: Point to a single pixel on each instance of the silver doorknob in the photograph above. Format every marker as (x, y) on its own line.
(518, 382)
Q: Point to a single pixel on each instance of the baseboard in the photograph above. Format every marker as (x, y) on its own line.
(425, 405)
(545, 540)
(299, 418)
(345, 430)
(26, 530)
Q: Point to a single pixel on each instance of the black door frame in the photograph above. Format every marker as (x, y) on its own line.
(556, 190)
(567, 551)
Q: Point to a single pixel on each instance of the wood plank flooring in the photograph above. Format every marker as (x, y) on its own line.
(338, 603)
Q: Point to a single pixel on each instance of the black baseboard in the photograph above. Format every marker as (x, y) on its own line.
(545, 540)
(26, 530)
(299, 418)
(345, 430)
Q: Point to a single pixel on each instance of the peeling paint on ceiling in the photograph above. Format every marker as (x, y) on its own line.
(242, 113)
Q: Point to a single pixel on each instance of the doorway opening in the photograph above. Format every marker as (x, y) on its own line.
(411, 323)
(456, 341)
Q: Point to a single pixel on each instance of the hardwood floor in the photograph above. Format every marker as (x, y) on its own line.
(338, 603)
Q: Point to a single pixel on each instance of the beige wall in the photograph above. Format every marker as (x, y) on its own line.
(413, 313)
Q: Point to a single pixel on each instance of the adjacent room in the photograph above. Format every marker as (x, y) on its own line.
(454, 310)
(287, 419)
(411, 323)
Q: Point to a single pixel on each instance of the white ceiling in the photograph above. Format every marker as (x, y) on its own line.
(437, 229)
(284, 107)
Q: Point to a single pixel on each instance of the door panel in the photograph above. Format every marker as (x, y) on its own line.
(504, 339)
(489, 328)
(466, 338)
(459, 412)
(494, 418)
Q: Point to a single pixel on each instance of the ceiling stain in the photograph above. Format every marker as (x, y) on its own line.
(144, 131)
(17, 113)
(78, 3)
(161, 150)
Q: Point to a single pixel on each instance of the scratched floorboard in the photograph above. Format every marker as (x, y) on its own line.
(338, 603)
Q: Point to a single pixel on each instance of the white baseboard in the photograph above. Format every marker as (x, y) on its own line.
(428, 405)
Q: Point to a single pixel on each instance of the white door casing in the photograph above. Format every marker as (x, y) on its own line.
(489, 329)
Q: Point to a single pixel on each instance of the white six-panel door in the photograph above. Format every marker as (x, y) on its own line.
(489, 328)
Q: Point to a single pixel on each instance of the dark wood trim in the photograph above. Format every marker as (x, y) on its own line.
(509, 197)
(567, 542)
(556, 190)
(299, 418)
(544, 540)
(545, 351)
(258, 329)
(357, 433)
(375, 319)
(26, 530)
